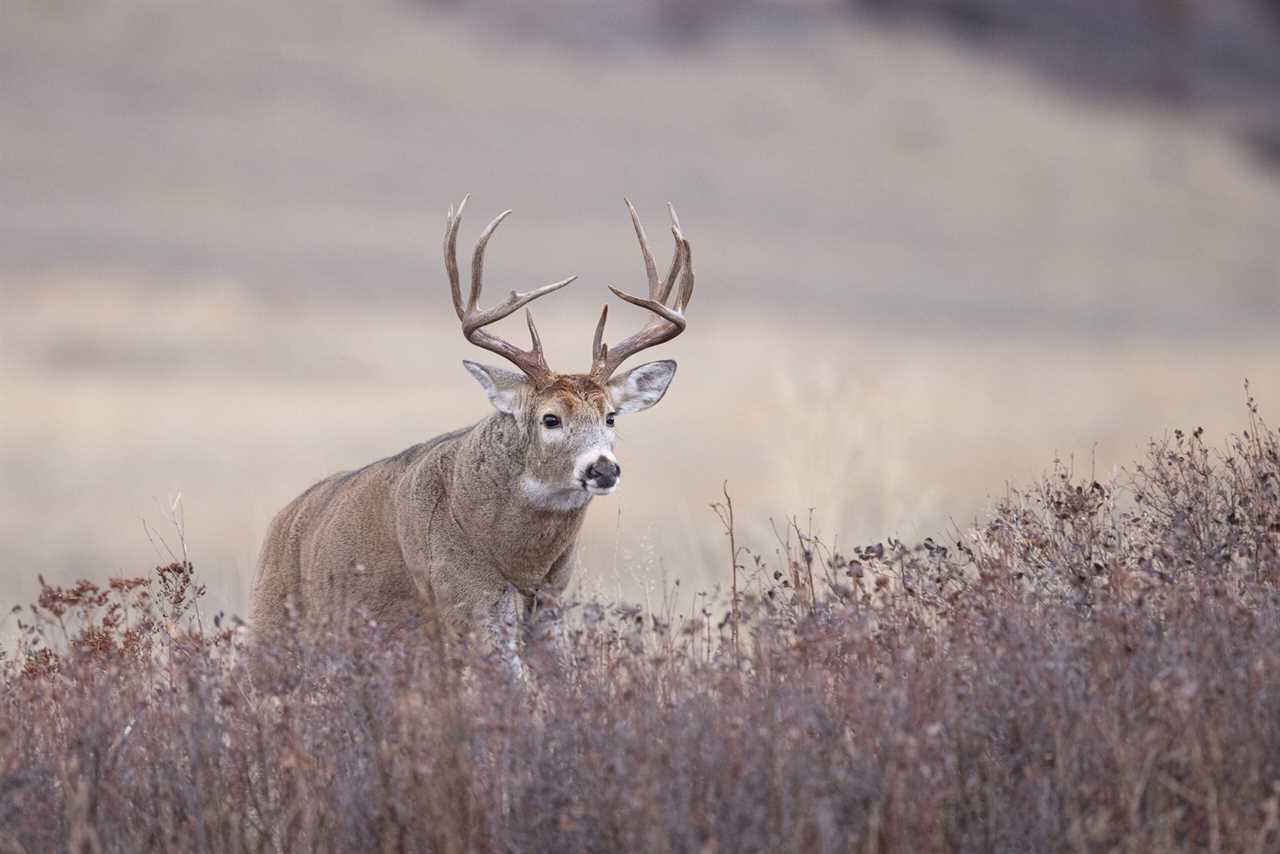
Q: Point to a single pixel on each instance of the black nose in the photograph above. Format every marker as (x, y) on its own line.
(604, 469)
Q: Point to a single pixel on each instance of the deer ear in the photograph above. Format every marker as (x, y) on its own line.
(642, 386)
(503, 387)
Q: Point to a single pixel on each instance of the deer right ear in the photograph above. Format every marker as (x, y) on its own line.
(502, 387)
(642, 386)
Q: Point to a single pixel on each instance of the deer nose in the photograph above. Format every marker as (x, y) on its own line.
(604, 471)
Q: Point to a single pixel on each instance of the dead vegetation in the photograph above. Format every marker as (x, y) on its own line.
(1090, 669)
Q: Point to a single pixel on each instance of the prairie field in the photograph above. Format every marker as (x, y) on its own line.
(980, 285)
(125, 399)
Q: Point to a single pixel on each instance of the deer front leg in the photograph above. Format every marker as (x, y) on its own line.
(484, 608)
(557, 580)
(542, 607)
(498, 623)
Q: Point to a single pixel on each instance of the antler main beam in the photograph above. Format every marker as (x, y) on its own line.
(669, 320)
(531, 361)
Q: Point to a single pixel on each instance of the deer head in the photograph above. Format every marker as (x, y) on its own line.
(566, 421)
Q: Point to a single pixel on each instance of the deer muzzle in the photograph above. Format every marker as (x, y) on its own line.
(602, 476)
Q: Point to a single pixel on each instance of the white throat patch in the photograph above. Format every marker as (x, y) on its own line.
(547, 496)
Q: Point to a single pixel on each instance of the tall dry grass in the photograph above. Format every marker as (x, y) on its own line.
(1091, 668)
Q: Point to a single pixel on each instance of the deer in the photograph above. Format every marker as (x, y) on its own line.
(473, 526)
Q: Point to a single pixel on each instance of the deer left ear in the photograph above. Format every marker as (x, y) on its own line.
(642, 386)
(503, 387)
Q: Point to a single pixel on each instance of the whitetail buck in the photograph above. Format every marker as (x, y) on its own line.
(480, 519)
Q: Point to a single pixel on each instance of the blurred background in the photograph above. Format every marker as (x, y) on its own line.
(939, 243)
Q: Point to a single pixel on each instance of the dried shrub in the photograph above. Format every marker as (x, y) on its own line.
(1094, 667)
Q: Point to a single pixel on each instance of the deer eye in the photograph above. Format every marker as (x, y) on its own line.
(608, 419)
(550, 421)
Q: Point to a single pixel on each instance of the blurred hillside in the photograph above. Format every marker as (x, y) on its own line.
(826, 157)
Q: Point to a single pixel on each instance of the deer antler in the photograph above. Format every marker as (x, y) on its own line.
(669, 321)
(531, 361)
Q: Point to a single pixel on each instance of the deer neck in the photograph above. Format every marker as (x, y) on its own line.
(491, 494)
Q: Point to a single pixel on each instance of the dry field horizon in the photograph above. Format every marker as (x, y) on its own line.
(138, 396)
(923, 272)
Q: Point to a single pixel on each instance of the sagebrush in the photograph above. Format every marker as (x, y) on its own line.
(1094, 667)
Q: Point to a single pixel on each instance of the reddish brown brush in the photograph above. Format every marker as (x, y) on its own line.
(1093, 668)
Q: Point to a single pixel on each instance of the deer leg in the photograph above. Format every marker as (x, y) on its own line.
(502, 620)
(486, 610)
(543, 616)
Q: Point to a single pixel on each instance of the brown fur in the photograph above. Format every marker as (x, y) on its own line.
(451, 517)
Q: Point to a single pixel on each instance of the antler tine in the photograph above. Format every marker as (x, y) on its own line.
(675, 259)
(515, 301)
(535, 340)
(670, 320)
(686, 281)
(650, 269)
(598, 348)
(452, 222)
(531, 361)
(477, 259)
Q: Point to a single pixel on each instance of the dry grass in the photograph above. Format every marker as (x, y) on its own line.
(119, 397)
(1091, 668)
